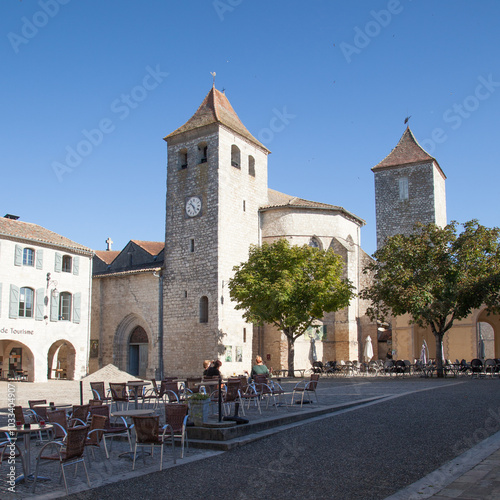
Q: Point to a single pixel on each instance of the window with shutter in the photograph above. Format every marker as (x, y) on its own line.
(39, 259)
(18, 255)
(58, 263)
(39, 304)
(65, 306)
(54, 308)
(14, 302)
(76, 265)
(26, 296)
(76, 307)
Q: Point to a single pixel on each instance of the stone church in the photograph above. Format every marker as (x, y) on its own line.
(161, 308)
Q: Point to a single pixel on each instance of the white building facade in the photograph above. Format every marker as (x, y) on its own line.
(45, 292)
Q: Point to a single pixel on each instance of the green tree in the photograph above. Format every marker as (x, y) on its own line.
(436, 276)
(290, 287)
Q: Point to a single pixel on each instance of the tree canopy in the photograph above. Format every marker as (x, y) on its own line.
(436, 276)
(290, 287)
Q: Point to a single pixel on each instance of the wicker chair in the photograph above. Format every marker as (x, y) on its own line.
(306, 388)
(263, 389)
(111, 430)
(147, 431)
(96, 432)
(169, 389)
(99, 392)
(232, 394)
(81, 412)
(67, 452)
(119, 395)
(193, 384)
(59, 420)
(40, 413)
(152, 394)
(176, 416)
(248, 393)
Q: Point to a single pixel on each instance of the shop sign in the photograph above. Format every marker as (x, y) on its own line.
(15, 331)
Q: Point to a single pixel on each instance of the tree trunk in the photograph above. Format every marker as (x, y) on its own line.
(439, 353)
(291, 355)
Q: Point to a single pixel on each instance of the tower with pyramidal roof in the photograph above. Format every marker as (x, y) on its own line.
(216, 182)
(409, 188)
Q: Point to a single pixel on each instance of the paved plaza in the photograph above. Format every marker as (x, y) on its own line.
(368, 438)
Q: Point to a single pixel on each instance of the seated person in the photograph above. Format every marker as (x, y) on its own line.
(259, 368)
(213, 370)
(206, 366)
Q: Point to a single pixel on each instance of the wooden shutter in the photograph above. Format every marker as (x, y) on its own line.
(54, 308)
(39, 259)
(14, 302)
(77, 298)
(58, 263)
(39, 304)
(18, 256)
(76, 265)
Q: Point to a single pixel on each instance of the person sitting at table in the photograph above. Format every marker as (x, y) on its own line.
(206, 366)
(259, 368)
(213, 370)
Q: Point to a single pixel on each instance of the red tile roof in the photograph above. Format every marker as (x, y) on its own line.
(31, 232)
(281, 200)
(407, 152)
(216, 108)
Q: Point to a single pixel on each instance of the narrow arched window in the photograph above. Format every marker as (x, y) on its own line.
(183, 158)
(66, 264)
(251, 166)
(26, 303)
(204, 309)
(314, 242)
(235, 156)
(202, 152)
(65, 306)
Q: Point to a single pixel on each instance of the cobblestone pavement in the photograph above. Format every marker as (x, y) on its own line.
(476, 476)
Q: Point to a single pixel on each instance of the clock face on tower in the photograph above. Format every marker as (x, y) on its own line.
(193, 206)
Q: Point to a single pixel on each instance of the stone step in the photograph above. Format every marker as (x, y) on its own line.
(227, 437)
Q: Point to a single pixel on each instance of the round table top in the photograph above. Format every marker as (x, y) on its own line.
(57, 405)
(22, 430)
(138, 383)
(132, 413)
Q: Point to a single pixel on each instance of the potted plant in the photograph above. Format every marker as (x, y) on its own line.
(198, 407)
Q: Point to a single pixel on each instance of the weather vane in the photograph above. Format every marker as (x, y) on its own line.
(213, 76)
(407, 119)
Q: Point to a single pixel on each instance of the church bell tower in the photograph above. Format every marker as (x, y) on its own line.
(216, 182)
(409, 188)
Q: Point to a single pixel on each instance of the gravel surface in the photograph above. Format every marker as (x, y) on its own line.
(366, 453)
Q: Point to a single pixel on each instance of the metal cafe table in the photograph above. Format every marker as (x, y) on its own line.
(25, 431)
(137, 385)
(129, 414)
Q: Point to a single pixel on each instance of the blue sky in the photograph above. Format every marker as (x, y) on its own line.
(111, 79)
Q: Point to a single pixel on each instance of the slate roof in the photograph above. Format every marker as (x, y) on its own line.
(107, 256)
(407, 152)
(152, 247)
(27, 231)
(281, 200)
(216, 108)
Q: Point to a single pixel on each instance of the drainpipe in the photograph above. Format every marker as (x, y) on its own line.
(160, 325)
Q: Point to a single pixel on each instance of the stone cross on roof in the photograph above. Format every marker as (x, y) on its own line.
(109, 241)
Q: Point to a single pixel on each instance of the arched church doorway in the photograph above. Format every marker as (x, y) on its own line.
(61, 360)
(138, 345)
